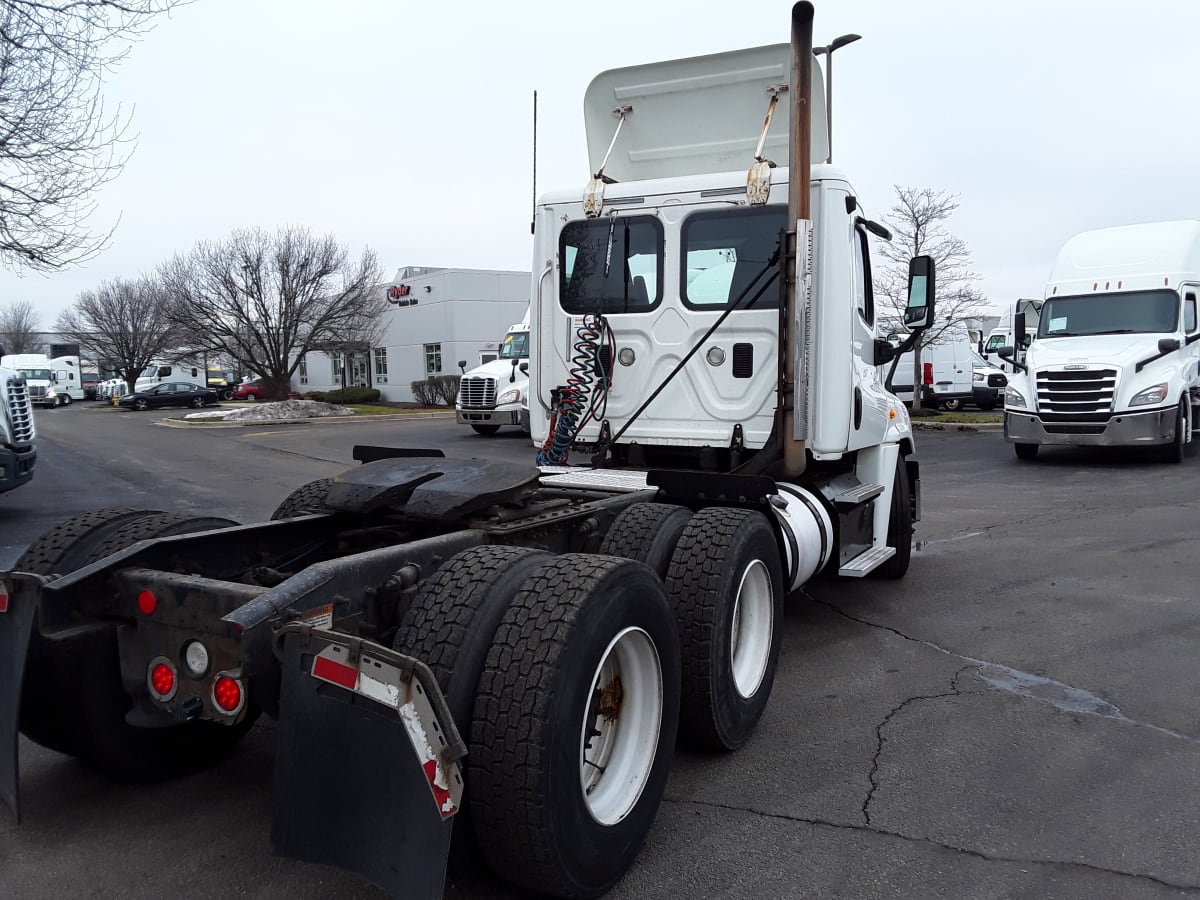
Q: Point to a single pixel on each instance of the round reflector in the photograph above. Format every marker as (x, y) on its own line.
(162, 679)
(227, 693)
(147, 603)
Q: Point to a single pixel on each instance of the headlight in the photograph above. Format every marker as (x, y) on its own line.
(1013, 398)
(1156, 394)
(979, 378)
(51, 392)
(510, 396)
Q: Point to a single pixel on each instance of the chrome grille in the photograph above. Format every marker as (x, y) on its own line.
(20, 413)
(477, 392)
(36, 391)
(1084, 392)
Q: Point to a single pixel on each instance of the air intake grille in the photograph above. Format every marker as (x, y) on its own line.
(743, 360)
(1086, 392)
(36, 391)
(20, 414)
(477, 392)
(996, 380)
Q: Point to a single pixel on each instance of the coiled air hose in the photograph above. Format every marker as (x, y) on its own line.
(585, 394)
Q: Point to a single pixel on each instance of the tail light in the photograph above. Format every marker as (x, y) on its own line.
(228, 695)
(3, 597)
(161, 678)
(928, 373)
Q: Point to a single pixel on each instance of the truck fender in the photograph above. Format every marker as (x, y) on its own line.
(18, 612)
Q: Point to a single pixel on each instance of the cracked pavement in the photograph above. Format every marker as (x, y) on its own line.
(1015, 718)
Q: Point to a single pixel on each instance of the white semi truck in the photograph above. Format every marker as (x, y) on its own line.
(40, 381)
(1114, 359)
(526, 642)
(492, 395)
(17, 430)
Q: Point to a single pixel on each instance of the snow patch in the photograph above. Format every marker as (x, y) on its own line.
(266, 412)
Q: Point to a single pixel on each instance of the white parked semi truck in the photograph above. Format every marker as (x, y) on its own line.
(1115, 355)
(492, 395)
(525, 643)
(40, 381)
(17, 430)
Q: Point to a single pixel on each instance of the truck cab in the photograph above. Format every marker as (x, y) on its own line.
(40, 381)
(1115, 356)
(495, 393)
(17, 430)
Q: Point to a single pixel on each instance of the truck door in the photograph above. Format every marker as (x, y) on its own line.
(1191, 345)
(870, 401)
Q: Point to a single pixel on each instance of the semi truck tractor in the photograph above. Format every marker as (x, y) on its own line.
(17, 430)
(492, 395)
(40, 381)
(512, 651)
(1114, 355)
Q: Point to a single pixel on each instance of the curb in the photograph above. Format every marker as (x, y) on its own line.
(315, 420)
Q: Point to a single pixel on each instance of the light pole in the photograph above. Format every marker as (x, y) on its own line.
(828, 51)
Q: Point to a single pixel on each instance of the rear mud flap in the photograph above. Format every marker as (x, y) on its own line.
(18, 612)
(366, 769)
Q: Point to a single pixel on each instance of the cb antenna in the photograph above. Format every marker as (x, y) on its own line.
(533, 216)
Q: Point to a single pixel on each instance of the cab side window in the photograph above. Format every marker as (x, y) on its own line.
(864, 294)
(1189, 313)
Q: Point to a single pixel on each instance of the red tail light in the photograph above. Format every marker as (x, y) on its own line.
(147, 603)
(928, 373)
(161, 679)
(227, 694)
(3, 597)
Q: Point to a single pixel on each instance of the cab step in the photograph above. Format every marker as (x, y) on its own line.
(867, 561)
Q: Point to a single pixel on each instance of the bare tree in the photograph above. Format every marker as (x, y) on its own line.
(917, 221)
(58, 143)
(267, 299)
(124, 323)
(19, 328)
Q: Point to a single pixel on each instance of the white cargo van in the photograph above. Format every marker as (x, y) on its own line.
(1114, 360)
(947, 370)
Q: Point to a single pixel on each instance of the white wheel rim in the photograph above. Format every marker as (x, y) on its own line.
(753, 626)
(619, 738)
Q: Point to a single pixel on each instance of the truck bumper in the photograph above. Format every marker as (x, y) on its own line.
(501, 416)
(16, 467)
(1156, 426)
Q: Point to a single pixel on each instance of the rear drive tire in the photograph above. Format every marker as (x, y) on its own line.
(900, 526)
(648, 533)
(726, 587)
(308, 498)
(486, 429)
(574, 725)
(1026, 451)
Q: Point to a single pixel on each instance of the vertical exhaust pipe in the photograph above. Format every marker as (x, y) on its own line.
(793, 373)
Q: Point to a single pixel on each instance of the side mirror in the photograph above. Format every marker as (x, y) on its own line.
(885, 352)
(462, 364)
(1168, 345)
(1020, 337)
(1005, 352)
(513, 375)
(524, 368)
(921, 291)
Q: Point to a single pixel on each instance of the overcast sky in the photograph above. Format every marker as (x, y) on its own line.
(406, 126)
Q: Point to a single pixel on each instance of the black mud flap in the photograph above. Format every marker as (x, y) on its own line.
(366, 769)
(18, 612)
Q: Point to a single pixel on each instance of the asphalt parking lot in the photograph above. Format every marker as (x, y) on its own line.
(1016, 718)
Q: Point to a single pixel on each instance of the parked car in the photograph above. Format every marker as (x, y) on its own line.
(173, 393)
(249, 390)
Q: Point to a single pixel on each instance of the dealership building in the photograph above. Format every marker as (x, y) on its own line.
(435, 318)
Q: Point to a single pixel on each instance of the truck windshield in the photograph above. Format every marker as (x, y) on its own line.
(37, 374)
(611, 265)
(515, 346)
(1135, 312)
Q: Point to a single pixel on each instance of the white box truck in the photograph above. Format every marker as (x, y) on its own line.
(493, 394)
(1114, 359)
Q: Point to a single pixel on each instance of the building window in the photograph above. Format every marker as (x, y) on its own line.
(433, 359)
(339, 366)
(302, 370)
(381, 365)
